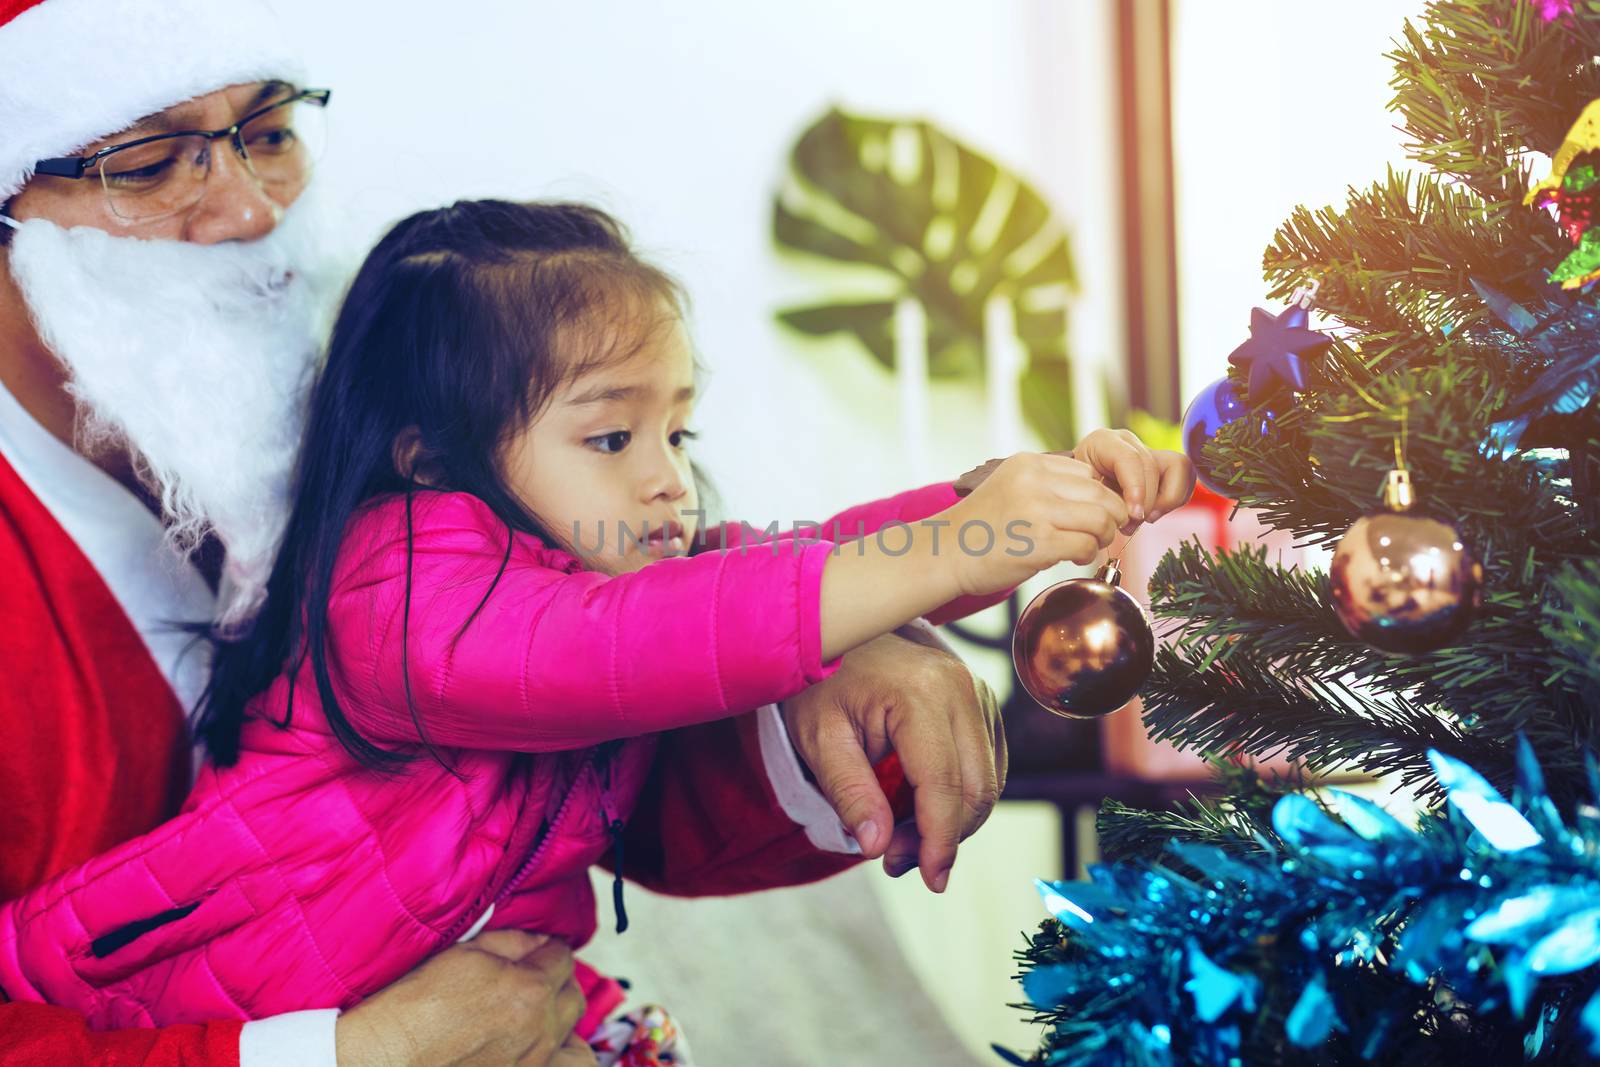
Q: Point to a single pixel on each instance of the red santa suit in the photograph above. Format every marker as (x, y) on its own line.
(93, 748)
(93, 745)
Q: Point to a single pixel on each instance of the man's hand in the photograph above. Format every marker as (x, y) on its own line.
(921, 702)
(505, 999)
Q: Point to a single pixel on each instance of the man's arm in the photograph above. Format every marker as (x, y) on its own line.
(38, 1035)
(721, 814)
(738, 805)
(505, 997)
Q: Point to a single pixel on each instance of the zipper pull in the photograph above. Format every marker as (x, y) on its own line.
(617, 827)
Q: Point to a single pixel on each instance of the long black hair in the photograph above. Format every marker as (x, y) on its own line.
(448, 337)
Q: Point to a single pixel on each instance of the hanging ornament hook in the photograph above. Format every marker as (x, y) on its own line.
(1305, 295)
(1398, 494)
(1110, 571)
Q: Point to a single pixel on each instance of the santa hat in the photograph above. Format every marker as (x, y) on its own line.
(74, 71)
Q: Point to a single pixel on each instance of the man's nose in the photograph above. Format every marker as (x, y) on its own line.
(235, 207)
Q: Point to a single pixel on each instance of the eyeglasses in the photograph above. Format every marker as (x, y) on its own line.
(156, 177)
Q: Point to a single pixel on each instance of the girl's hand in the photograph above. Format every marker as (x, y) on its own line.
(1152, 483)
(1041, 509)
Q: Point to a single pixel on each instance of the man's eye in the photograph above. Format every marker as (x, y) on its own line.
(683, 436)
(611, 442)
(138, 176)
(272, 141)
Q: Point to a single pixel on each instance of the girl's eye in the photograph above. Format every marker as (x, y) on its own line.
(611, 442)
(682, 436)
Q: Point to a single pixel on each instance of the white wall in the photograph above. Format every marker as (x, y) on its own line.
(678, 118)
(1274, 104)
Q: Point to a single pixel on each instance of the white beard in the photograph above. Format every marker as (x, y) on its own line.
(199, 360)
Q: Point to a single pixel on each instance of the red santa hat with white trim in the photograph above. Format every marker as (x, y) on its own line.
(75, 71)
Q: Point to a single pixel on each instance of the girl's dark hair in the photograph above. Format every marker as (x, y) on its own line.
(450, 329)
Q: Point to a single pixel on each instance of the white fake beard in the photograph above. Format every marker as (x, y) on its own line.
(197, 358)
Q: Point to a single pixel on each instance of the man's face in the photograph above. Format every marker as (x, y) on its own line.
(185, 342)
(235, 206)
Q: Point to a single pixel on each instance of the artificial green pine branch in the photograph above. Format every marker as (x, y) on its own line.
(1238, 603)
(1238, 817)
(1572, 626)
(1476, 83)
(1400, 255)
(1252, 708)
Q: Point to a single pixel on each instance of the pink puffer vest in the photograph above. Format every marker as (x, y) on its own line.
(298, 879)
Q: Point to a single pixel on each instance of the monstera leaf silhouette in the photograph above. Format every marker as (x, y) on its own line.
(947, 226)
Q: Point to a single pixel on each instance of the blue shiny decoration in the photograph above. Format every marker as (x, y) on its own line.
(1572, 946)
(1564, 338)
(1590, 1019)
(1365, 817)
(1215, 989)
(1059, 905)
(1313, 1017)
(1484, 902)
(1272, 354)
(1211, 409)
(1519, 919)
(1534, 1042)
(1505, 827)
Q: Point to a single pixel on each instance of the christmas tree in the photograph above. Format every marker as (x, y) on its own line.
(1272, 924)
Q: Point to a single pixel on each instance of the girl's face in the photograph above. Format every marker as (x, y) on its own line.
(604, 464)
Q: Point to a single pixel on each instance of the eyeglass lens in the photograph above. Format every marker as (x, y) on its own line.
(163, 177)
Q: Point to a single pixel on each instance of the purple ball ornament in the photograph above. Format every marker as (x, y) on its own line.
(1213, 408)
(1271, 359)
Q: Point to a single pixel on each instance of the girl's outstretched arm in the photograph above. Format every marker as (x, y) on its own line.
(881, 518)
(506, 644)
(495, 641)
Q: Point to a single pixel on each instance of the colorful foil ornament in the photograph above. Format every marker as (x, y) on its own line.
(1564, 339)
(1572, 187)
(1550, 10)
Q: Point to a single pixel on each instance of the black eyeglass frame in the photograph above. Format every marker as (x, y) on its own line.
(78, 166)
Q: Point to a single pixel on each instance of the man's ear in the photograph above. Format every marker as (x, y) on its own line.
(411, 460)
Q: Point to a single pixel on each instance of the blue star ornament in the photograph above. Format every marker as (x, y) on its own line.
(1272, 354)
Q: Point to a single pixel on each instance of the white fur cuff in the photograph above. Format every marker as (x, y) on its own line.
(800, 800)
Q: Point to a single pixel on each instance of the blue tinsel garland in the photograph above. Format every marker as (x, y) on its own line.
(1483, 900)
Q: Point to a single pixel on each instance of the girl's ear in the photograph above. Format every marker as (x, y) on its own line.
(411, 460)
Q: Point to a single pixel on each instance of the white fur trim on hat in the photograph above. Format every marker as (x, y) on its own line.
(74, 71)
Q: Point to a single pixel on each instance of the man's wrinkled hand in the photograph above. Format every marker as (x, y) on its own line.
(920, 701)
(504, 999)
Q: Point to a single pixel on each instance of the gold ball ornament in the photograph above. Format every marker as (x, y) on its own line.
(1404, 583)
(1084, 648)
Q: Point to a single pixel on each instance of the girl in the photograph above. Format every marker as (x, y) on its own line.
(479, 671)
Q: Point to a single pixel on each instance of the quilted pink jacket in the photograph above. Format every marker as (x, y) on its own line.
(581, 713)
